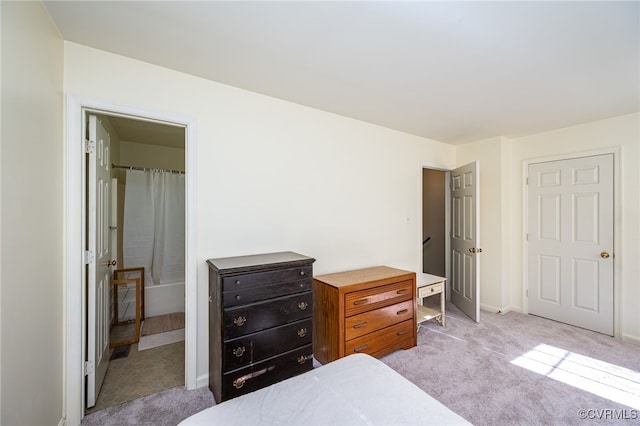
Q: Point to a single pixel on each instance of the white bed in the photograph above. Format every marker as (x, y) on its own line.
(356, 390)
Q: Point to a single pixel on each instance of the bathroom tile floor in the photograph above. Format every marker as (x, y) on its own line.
(141, 373)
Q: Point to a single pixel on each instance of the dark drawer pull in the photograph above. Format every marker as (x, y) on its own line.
(404, 311)
(240, 381)
(303, 305)
(401, 332)
(302, 332)
(239, 351)
(360, 348)
(402, 291)
(360, 324)
(360, 302)
(240, 321)
(302, 359)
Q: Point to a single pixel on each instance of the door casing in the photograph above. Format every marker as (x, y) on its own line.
(74, 237)
(617, 225)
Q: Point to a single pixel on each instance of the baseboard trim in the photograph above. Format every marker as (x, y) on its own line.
(202, 381)
(631, 339)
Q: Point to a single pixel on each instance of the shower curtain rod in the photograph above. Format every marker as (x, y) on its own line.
(146, 169)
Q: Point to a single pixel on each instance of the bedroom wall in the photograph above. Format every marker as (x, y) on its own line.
(622, 132)
(275, 176)
(31, 218)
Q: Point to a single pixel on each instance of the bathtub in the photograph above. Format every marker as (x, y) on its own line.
(163, 299)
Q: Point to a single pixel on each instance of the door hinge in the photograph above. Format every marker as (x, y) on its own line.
(88, 368)
(89, 257)
(527, 181)
(89, 146)
(526, 292)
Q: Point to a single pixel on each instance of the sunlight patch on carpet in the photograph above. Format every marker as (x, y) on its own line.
(601, 378)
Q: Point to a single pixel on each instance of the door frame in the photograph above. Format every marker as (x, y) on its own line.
(447, 224)
(618, 225)
(74, 312)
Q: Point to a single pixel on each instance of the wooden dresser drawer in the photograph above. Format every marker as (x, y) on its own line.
(379, 340)
(243, 295)
(259, 316)
(258, 346)
(237, 282)
(372, 298)
(269, 371)
(430, 290)
(368, 322)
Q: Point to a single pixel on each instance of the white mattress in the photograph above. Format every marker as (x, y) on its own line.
(356, 390)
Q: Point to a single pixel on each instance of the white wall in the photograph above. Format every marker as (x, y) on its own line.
(272, 175)
(32, 217)
(620, 132)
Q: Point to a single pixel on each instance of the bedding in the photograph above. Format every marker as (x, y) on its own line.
(355, 390)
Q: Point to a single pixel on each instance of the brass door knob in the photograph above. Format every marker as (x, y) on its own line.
(604, 255)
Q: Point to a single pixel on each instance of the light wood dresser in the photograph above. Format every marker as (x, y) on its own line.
(370, 311)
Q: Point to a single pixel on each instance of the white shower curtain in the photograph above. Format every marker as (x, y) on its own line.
(154, 225)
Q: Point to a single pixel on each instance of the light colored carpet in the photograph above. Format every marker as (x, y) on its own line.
(477, 371)
(165, 408)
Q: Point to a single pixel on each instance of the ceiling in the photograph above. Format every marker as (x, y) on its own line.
(451, 71)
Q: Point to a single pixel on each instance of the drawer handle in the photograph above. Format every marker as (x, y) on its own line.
(302, 359)
(360, 302)
(240, 321)
(402, 291)
(404, 311)
(401, 332)
(237, 282)
(303, 305)
(302, 332)
(360, 348)
(360, 324)
(239, 351)
(432, 290)
(302, 273)
(240, 381)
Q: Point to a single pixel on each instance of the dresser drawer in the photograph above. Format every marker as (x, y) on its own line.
(260, 316)
(243, 296)
(381, 339)
(368, 322)
(430, 290)
(231, 282)
(267, 372)
(264, 344)
(376, 297)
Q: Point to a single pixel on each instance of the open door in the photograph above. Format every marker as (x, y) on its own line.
(465, 239)
(98, 257)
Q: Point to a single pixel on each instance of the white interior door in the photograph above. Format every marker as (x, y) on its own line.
(98, 257)
(570, 241)
(465, 239)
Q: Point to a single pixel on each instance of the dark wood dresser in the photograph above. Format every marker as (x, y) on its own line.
(370, 311)
(260, 321)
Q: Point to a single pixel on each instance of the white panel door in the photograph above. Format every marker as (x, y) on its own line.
(570, 241)
(99, 262)
(465, 239)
